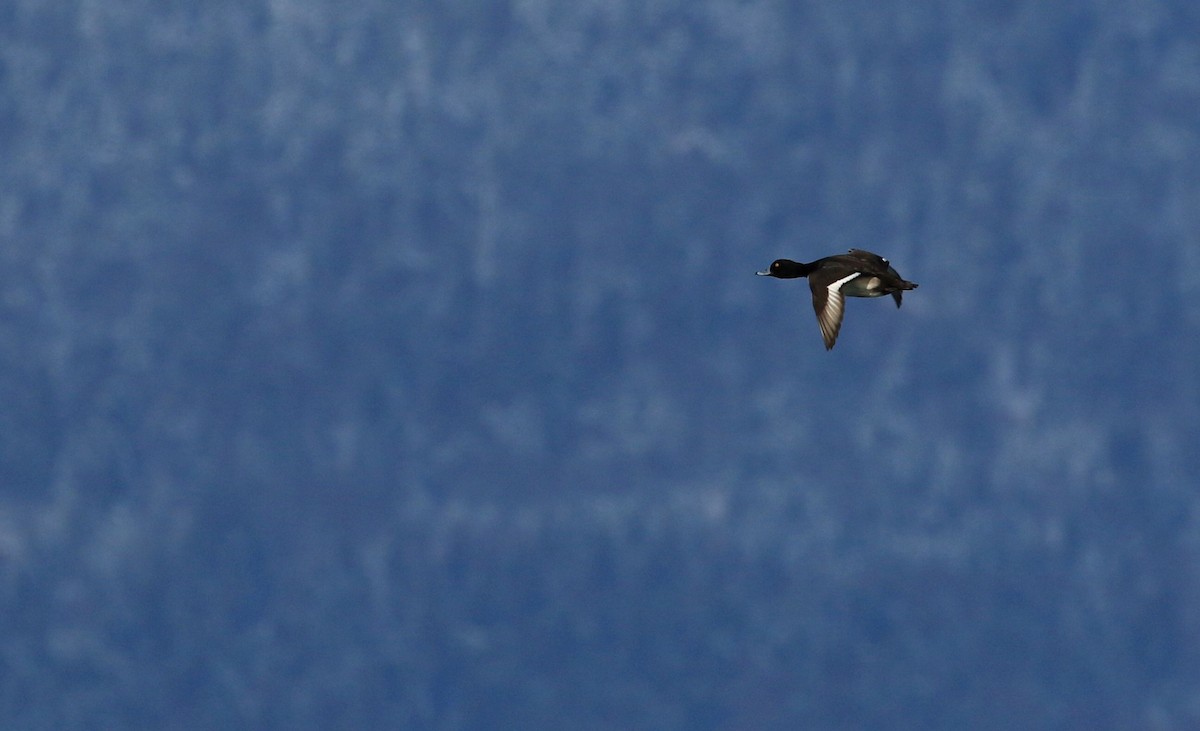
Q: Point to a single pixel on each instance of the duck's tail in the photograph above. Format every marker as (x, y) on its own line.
(904, 287)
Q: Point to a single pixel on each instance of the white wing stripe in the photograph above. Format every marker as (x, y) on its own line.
(837, 286)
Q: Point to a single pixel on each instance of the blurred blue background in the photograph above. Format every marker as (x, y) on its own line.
(401, 364)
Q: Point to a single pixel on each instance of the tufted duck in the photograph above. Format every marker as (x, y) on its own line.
(857, 274)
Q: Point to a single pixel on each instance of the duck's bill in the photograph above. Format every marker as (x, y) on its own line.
(764, 273)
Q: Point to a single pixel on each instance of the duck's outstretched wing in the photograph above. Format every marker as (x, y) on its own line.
(830, 306)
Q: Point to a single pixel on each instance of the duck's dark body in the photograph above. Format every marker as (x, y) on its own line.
(858, 273)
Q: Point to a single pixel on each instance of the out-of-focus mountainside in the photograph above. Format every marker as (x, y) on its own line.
(403, 365)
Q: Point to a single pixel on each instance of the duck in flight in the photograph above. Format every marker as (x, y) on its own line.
(858, 273)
